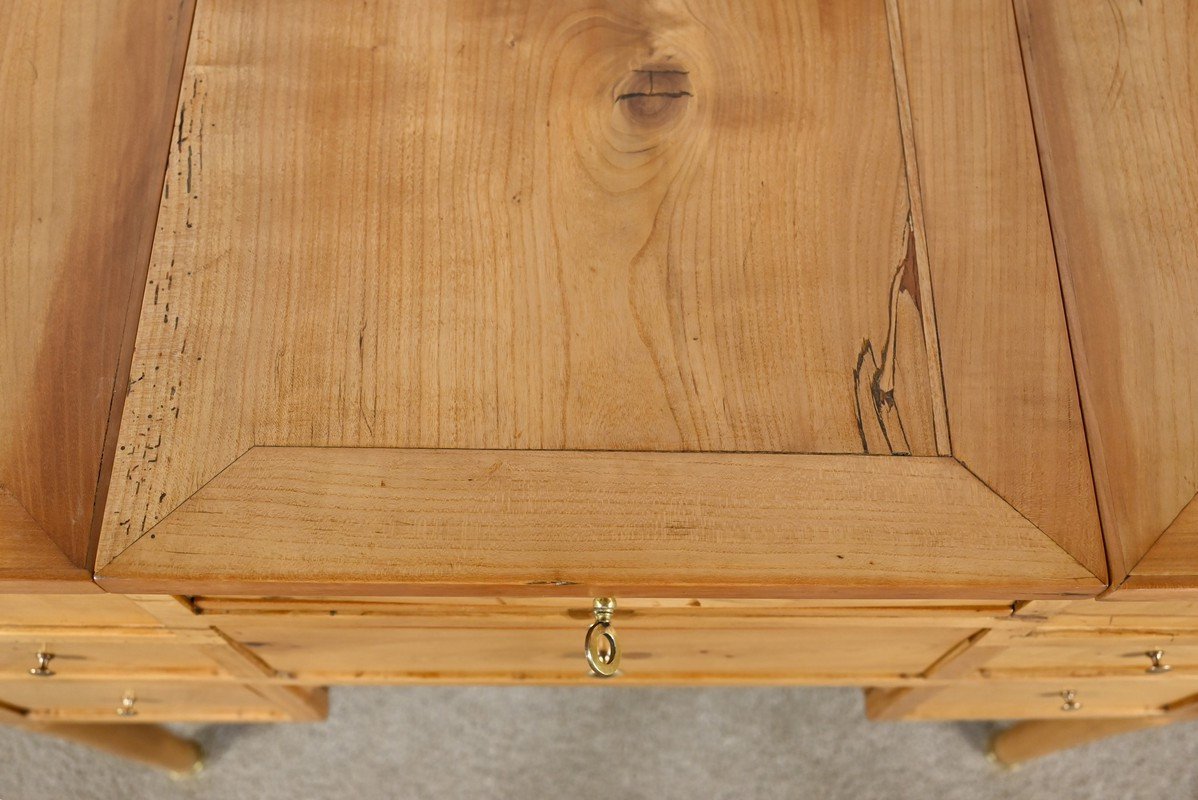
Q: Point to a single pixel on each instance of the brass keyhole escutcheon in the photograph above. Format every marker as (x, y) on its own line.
(601, 646)
(1071, 703)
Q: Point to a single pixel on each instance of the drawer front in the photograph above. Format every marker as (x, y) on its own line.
(315, 650)
(1114, 611)
(101, 656)
(1095, 655)
(1003, 699)
(72, 610)
(151, 701)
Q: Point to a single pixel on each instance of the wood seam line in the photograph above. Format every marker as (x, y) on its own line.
(118, 554)
(129, 327)
(927, 305)
(1091, 437)
(954, 652)
(1029, 522)
(245, 654)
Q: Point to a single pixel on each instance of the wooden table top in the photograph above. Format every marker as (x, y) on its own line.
(881, 298)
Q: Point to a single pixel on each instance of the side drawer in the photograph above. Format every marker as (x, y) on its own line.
(473, 649)
(1090, 655)
(1010, 699)
(101, 654)
(150, 701)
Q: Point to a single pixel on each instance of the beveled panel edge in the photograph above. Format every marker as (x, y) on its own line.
(265, 549)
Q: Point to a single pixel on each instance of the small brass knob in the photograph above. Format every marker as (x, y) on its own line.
(126, 709)
(1071, 703)
(42, 670)
(1158, 666)
(601, 648)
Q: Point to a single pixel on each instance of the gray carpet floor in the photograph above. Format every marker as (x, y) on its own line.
(608, 743)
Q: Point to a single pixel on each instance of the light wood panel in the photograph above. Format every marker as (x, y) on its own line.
(338, 520)
(619, 226)
(29, 560)
(683, 611)
(88, 92)
(91, 610)
(1008, 374)
(1112, 87)
(1179, 612)
(1172, 562)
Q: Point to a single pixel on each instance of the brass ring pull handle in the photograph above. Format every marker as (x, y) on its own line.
(1158, 666)
(126, 708)
(602, 649)
(42, 670)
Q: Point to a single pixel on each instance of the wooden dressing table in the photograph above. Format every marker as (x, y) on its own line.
(845, 343)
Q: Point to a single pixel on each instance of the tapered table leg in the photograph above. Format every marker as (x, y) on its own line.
(147, 744)
(1028, 740)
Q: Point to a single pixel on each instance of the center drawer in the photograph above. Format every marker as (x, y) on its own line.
(658, 645)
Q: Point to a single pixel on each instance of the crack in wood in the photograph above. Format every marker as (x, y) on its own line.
(873, 375)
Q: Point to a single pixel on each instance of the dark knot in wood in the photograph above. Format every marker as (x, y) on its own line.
(654, 95)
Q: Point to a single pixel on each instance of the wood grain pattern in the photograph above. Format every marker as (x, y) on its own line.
(91, 610)
(342, 654)
(679, 611)
(29, 560)
(570, 225)
(360, 521)
(1173, 559)
(1011, 392)
(88, 91)
(1112, 87)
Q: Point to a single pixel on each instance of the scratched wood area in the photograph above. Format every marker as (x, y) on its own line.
(617, 226)
(1112, 87)
(87, 92)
